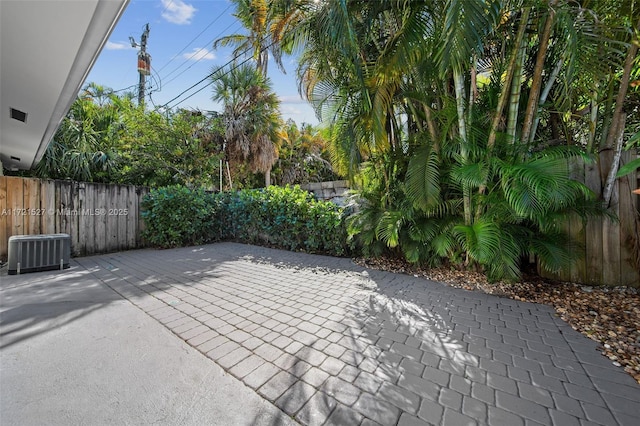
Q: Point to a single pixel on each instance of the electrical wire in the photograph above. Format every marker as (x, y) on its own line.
(126, 88)
(194, 39)
(235, 66)
(166, 7)
(206, 77)
(158, 81)
(196, 61)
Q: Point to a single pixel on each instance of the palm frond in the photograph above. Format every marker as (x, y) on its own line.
(554, 250)
(491, 246)
(472, 175)
(423, 178)
(389, 226)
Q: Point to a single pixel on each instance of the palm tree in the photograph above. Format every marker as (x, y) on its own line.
(251, 116)
(303, 156)
(448, 165)
(82, 148)
(253, 16)
(270, 25)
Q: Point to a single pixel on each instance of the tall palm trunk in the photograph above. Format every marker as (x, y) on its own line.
(458, 81)
(616, 130)
(473, 87)
(593, 119)
(536, 79)
(543, 97)
(433, 132)
(516, 89)
(622, 90)
(606, 117)
(607, 191)
(504, 94)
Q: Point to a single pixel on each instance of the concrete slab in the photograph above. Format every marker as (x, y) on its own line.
(73, 352)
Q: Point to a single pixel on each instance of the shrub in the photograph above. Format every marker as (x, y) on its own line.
(177, 216)
(283, 217)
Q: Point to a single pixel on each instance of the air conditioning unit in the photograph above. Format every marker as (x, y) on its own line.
(33, 253)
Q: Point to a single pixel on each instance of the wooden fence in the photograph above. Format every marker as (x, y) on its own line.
(100, 218)
(610, 249)
(104, 218)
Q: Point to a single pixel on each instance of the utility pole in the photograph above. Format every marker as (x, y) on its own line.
(144, 63)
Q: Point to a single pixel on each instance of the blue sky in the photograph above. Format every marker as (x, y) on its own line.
(181, 47)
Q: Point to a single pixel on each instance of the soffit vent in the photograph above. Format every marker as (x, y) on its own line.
(16, 114)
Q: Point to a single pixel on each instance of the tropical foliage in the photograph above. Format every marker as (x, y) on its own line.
(251, 117)
(108, 138)
(303, 156)
(459, 118)
(83, 146)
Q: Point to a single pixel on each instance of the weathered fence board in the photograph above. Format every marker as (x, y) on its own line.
(607, 249)
(576, 231)
(629, 247)
(593, 236)
(100, 218)
(610, 228)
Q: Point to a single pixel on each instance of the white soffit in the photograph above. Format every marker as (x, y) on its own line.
(47, 48)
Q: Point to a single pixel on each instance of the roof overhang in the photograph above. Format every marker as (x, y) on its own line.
(47, 48)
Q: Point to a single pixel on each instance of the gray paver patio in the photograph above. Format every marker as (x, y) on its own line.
(329, 342)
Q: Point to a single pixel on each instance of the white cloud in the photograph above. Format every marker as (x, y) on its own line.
(292, 99)
(199, 53)
(177, 11)
(117, 46)
(290, 110)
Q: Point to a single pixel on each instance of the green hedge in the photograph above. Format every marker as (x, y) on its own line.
(176, 216)
(283, 217)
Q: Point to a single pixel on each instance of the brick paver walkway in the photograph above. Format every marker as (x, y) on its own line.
(333, 344)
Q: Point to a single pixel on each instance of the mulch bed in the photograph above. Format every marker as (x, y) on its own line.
(608, 315)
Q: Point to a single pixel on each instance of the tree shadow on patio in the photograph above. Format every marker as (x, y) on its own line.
(35, 303)
(393, 348)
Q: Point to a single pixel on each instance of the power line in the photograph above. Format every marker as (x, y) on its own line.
(166, 7)
(126, 88)
(212, 73)
(194, 39)
(158, 84)
(194, 62)
(208, 76)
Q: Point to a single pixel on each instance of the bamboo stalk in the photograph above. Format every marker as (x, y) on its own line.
(622, 91)
(536, 81)
(593, 117)
(514, 99)
(543, 97)
(611, 177)
(458, 80)
(502, 100)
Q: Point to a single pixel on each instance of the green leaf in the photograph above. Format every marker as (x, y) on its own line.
(423, 175)
(388, 229)
(629, 168)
